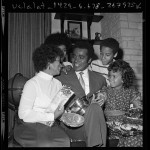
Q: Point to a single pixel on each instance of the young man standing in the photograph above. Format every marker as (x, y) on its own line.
(108, 51)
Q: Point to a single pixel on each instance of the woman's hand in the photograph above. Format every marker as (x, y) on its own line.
(58, 112)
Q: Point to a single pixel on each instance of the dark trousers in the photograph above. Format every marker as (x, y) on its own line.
(93, 132)
(40, 135)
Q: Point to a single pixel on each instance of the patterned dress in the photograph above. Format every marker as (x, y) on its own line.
(121, 100)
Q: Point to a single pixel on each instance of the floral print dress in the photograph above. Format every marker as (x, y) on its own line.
(121, 100)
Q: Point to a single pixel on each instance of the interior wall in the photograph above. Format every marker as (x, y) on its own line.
(95, 27)
(127, 29)
(26, 31)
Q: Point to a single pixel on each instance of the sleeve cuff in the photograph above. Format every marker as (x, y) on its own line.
(50, 116)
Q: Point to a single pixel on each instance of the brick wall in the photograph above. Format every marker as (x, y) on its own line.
(127, 29)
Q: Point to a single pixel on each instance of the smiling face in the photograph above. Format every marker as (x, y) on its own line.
(80, 59)
(55, 67)
(115, 79)
(106, 55)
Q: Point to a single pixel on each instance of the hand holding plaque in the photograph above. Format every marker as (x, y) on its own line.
(60, 99)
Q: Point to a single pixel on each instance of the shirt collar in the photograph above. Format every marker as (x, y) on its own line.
(85, 72)
(45, 75)
(105, 65)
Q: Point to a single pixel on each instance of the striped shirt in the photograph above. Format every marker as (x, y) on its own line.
(97, 66)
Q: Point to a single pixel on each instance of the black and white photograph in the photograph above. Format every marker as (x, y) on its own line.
(75, 29)
(74, 79)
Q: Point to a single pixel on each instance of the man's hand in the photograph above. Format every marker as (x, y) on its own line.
(99, 98)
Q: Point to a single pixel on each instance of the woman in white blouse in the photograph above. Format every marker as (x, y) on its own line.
(36, 127)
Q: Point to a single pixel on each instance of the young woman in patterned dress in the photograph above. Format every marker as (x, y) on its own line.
(119, 97)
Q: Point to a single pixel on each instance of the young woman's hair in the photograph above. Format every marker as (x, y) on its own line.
(58, 39)
(127, 72)
(45, 54)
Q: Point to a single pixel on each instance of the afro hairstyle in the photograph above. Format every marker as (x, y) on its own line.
(58, 39)
(128, 75)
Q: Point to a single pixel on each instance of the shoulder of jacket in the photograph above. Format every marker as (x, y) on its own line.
(95, 73)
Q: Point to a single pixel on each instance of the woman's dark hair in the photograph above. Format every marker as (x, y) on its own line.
(127, 72)
(58, 39)
(45, 54)
(85, 45)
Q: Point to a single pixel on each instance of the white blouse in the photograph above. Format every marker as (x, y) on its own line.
(37, 94)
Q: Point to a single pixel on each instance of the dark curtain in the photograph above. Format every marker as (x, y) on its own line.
(26, 31)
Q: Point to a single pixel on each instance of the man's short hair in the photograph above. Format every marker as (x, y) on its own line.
(85, 45)
(111, 43)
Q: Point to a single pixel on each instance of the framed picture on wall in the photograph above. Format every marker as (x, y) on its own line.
(75, 29)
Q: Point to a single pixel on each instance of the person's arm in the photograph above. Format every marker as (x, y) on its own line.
(104, 83)
(26, 111)
(100, 97)
(136, 99)
(137, 103)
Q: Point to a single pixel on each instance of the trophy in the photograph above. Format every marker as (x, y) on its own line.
(78, 106)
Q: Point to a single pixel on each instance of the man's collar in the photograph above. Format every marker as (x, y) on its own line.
(84, 71)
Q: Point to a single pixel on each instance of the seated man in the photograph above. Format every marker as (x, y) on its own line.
(93, 132)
